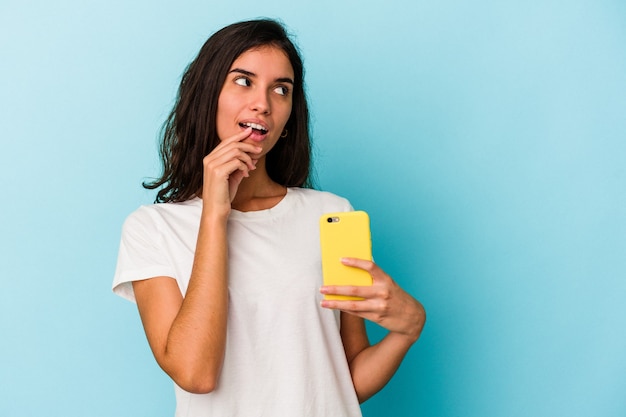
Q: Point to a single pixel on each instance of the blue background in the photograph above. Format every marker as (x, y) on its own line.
(486, 139)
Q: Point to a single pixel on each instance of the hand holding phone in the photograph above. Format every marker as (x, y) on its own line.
(345, 235)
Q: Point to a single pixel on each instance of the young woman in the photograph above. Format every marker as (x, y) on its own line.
(225, 269)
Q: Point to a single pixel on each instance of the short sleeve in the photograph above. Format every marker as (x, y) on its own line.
(141, 254)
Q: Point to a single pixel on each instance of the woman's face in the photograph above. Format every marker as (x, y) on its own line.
(257, 93)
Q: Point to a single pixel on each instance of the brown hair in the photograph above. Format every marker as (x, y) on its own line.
(189, 133)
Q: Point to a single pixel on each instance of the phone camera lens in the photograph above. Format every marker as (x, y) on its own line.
(329, 220)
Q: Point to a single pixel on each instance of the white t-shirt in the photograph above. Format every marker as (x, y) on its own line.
(284, 355)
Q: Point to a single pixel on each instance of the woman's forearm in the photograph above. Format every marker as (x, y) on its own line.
(373, 367)
(196, 341)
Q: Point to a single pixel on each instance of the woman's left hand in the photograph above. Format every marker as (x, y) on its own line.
(384, 302)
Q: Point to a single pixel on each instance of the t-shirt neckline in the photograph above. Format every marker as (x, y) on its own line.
(280, 207)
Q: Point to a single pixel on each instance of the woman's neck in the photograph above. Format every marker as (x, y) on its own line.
(258, 191)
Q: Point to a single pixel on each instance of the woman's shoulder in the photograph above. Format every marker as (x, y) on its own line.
(149, 214)
(326, 200)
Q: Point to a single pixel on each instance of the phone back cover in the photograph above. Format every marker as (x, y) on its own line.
(349, 237)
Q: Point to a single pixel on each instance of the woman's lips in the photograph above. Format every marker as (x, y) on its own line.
(255, 126)
(259, 132)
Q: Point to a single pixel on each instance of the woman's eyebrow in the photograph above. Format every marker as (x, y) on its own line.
(251, 74)
(242, 71)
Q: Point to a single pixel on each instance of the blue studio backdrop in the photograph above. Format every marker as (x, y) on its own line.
(486, 139)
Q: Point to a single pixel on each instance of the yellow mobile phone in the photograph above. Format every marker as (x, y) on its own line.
(345, 235)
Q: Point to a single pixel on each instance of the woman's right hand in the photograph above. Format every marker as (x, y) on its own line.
(230, 162)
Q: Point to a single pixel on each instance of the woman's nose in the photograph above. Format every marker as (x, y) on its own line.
(261, 102)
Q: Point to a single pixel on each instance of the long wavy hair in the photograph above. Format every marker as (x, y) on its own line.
(189, 133)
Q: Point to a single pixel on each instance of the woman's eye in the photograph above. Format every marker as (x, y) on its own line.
(242, 81)
(282, 90)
